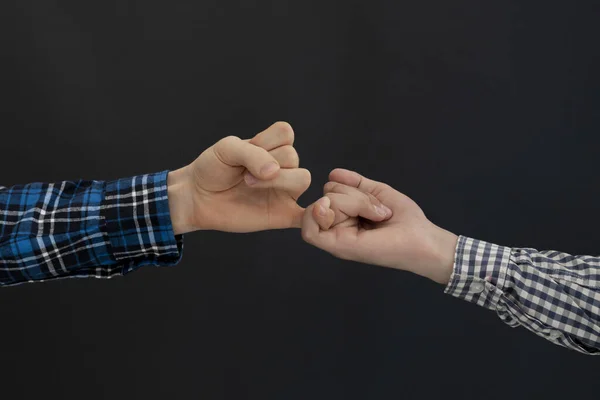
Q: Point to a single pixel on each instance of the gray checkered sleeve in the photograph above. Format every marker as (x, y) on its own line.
(553, 294)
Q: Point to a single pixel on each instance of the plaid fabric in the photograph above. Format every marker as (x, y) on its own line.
(85, 229)
(553, 294)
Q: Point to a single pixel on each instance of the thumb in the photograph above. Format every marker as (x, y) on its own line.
(236, 152)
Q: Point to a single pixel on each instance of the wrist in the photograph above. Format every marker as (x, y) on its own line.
(443, 251)
(180, 201)
(434, 258)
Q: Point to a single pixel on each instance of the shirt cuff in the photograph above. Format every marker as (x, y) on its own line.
(479, 273)
(138, 224)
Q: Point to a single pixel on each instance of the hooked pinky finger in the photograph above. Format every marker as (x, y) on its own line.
(311, 229)
(323, 214)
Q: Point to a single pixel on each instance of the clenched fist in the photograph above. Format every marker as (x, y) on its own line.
(241, 185)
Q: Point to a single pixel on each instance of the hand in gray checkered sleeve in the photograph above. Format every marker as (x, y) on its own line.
(367, 221)
(241, 185)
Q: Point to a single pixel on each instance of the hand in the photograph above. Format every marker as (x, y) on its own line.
(367, 221)
(241, 185)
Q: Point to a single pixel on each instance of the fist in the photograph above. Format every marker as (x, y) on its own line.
(241, 185)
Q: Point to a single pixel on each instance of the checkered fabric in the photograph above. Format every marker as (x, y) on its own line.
(85, 229)
(555, 295)
(102, 229)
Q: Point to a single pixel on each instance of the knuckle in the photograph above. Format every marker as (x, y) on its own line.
(330, 187)
(366, 200)
(284, 130)
(305, 176)
(283, 126)
(226, 141)
(373, 200)
(291, 155)
(224, 148)
(307, 235)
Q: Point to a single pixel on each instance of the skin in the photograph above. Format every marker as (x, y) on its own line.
(367, 221)
(240, 185)
(251, 185)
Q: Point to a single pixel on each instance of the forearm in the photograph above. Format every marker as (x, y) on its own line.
(553, 294)
(85, 228)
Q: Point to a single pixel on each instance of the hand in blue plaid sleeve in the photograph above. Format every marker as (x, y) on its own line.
(103, 229)
(241, 185)
(553, 294)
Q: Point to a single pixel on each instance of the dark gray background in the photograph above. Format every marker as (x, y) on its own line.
(486, 113)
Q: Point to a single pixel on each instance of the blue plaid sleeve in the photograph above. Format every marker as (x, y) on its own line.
(553, 294)
(85, 229)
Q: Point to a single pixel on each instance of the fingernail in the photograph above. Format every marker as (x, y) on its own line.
(322, 211)
(268, 169)
(383, 210)
(250, 179)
